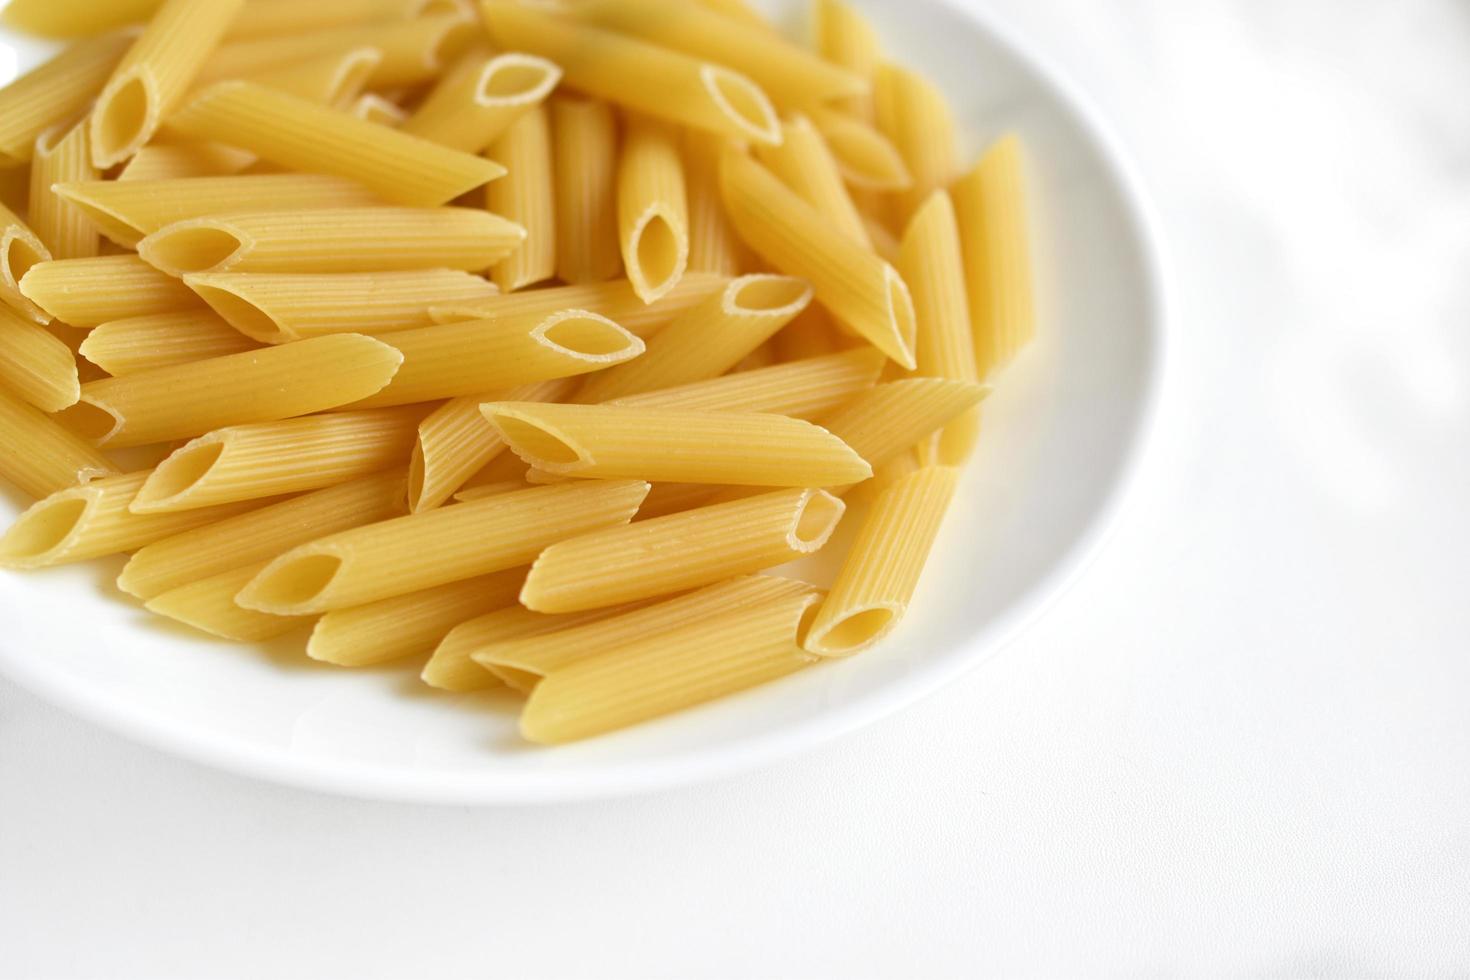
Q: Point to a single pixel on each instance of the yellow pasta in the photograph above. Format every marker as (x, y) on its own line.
(247, 462)
(122, 347)
(20, 252)
(708, 340)
(181, 162)
(56, 92)
(73, 18)
(802, 389)
(913, 113)
(615, 300)
(86, 292)
(127, 211)
(657, 675)
(378, 111)
(209, 605)
(991, 204)
(452, 668)
(892, 417)
(859, 288)
(302, 136)
(271, 17)
(336, 78)
(274, 383)
(480, 97)
(641, 76)
(155, 75)
(885, 243)
(584, 142)
(880, 574)
(62, 155)
(737, 10)
(435, 547)
(845, 38)
(713, 244)
(277, 308)
(35, 365)
(653, 209)
(811, 334)
(681, 551)
(866, 158)
(408, 625)
(524, 195)
(40, 456)
(804, 164)
(260, 535)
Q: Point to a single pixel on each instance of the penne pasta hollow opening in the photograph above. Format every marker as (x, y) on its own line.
(816, 518)
(660, 254)
(353, 75)
(176, 475)
(123, 118)
(291, 583)
(19, 252)
(854, 632)
(192, 246)
(767, 295)
(516, 79)
(743, 102)
(901, 314)
(90, 421)
(416, 475)
(42, 529)
(539, 444)
(588, 337)
(241, 314)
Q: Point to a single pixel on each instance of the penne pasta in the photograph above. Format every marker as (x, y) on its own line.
(885, 243)
(408, 554)
(657, 675)
(267, 385)
(122, 347)
(653, 209)
(209, 605)
(811, 334)
(481, 97)
(154, 75)
(61, 156)
(615, 300)
(641, 76)
(86, 292)
(845, 38)
(892, 417)
(451, 668)
(802, 389)
(184, 161)
(584, 142)
(39, 456)
(713, 244)
(675, 445)
(866, 157)
(274, 17)
(914, 115)
(681, 551)
(524, 195)
(708, 340)
(408, 625)
(276, 308)
(56, 92)
(803, 163)
(880, 574)
(856, 286)
(378, 111)
(297, 134)
(20, 252)
(257, 536)
(35, 365)
(75, 18)
(336, 78)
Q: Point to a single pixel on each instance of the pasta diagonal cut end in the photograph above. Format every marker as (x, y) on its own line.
(902, 317)
(587, 336)
(516, 79)
(292, 584)
(92, 420)
(125, 116)
(860, 629)
(766, 294)
(201, 245)
(538, 443)
(814, 520)
(169, 483)
(42, 532)
(743, 102)
(658, 254)
(20, 251)
(239, 311)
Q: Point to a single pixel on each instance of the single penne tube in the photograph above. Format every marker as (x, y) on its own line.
(86, 292)
(155, 74)
(803, 163)
(681, 551)
(186, 400)
(35, 365)
(260, 535)
(713, 244)
(316, 139)
(452, 667)
(20, 252)
(269, 459)
(615, 300)
(881, 572)
(524, 195)
(480, 97)
(93, 520)
(277, 307)
(802, 389)
(127, 211)
(634, 73)
(709, 339)
(122, 347)
(408, 625)
(454, 442)
(482, 355)
(915, 116)
(209, 605)
(584, 146)
(39, 456)
(675, 445)
(856, 286)
(866, 158)
(378, 111)
(657, 675)
(521, 662)
(653, 208)
(56, 92)
(786, 72)
(182, 161)
(435, 547)
(846, 39)
(61, 156)
(990, 202)
(268, 18)
(887, 419)
(335, 78)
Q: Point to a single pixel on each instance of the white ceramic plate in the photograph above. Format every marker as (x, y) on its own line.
(1063, 435)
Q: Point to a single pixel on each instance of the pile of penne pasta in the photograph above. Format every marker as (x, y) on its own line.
(524, 337)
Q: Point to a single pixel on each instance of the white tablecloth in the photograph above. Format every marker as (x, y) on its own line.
(1240, 745)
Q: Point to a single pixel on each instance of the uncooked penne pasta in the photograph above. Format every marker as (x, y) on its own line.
(480, 97)
(990, 202)
(845, 38)
(40, 456)
(802, 389)
(61, 156)
(615, 300)
(713, 244)
(804, 164)
(890, 418)
(186, 400)
(451, 668)
(277, 308)
(56, 92)
(708, 340)
(859, 288)
(681, 551)
(335, 78)
(584, 144)
(183, 161)
(641, 76)
(75, 18)
(20, 252)
(423, 550)
(878, 578)
(866, 158)
(86, 292)
(737, 10)
(483, 355)
(142, 343)
(675, 445)
(302, 136)
(127, 211)
(408, 625)
(269, 459)
(885, 243)
(378, 111)
(209, 605)
(35, 365)
(155, 74)
(652, 676)
(653, 208)
(524, 195)
(913, 113)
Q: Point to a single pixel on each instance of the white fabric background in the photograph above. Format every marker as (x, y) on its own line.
(1240, 746)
